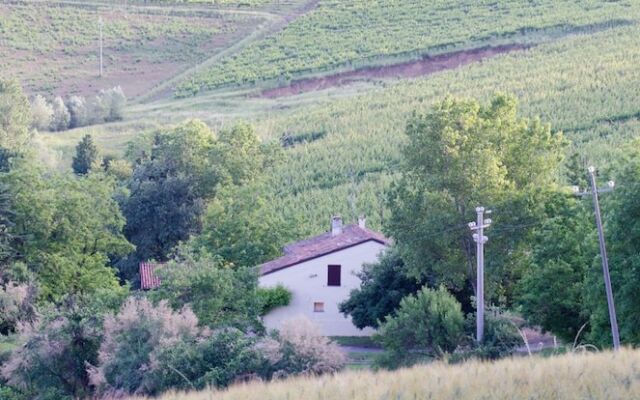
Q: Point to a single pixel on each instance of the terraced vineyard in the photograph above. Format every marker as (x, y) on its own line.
(586, 86)
(348, 34)
(53, 47)
(345, 147)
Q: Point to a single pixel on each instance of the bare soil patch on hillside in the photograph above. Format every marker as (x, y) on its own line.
(410, 69)
(53, 49)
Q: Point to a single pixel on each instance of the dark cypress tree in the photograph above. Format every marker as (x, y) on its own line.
(86, 155)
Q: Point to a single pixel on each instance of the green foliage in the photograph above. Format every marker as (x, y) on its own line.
(300, 348)
(53, 360)
(462, 155)
(187, 167)
(86, 156)
(272, 298)
(218, 295)
(621, 232)
(501, 338)
(215, 360)
(16, 306)
(371, 31)
(425, 325)
(8, 393)
(61, 117)
(384, 285)
(132, 340)
(551, 292)
(67, 228)
(243, 227)
(167, 193)
(15, 115)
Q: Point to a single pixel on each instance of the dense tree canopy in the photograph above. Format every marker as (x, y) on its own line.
(552, 290)
(187, 168)
(384, 285)
(218, 295)
(462, 154)
(66, 229)
(623, 235)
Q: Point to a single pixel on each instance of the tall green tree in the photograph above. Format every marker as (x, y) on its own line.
(168, 192)
(218, 295)
(552, 290)
(186, 168)
(462, 154)
(243, 226)
(66, 229)
(15, 116)
(86, 155)
(384, 285)
(622, 230)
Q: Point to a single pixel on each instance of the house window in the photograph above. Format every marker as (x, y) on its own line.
(318, 306)
(333, 275)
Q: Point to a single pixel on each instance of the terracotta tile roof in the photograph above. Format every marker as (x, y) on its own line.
(147, 279)
(321, 245)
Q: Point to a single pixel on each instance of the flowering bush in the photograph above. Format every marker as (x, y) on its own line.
(131, 340)
(300, 348)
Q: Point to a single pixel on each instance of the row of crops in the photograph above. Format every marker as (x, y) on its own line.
(351, 33)
(586, 86)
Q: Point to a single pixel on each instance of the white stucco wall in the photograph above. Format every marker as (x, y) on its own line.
(308, 283)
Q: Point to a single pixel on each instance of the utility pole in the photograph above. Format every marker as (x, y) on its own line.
(603, 256)
(100, 23)
(480, 240)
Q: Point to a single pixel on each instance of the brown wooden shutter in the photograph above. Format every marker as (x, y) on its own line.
(334, 275)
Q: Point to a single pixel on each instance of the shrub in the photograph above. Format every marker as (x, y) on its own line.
(8, 393)
(501, 338)
(16, 305)
(78, 112)
(61, 117)
(120, 169)
(216, 360)
(219, 296)
(52, 361)
(41, 113)
(117, 101)
(300, 348)
(271, 298)
(132, 340)
(426, 325)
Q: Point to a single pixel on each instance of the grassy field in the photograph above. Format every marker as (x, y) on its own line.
(355, 33)
(571, 376)
(53, 47)
(585, 84)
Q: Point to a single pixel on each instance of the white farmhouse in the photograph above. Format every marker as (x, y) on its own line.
(321, 272)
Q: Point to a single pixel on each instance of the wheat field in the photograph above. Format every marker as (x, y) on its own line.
(604, 375)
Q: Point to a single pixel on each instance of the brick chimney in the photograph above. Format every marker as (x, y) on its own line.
(336, 225)
(362, 221)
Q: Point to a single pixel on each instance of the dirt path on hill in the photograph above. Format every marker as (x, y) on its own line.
(272, 24)
(410, 69)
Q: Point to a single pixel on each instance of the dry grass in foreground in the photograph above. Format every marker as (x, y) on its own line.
(574, 376)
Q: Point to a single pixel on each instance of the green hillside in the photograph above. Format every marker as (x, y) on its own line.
(356, 33)
(583, 84)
